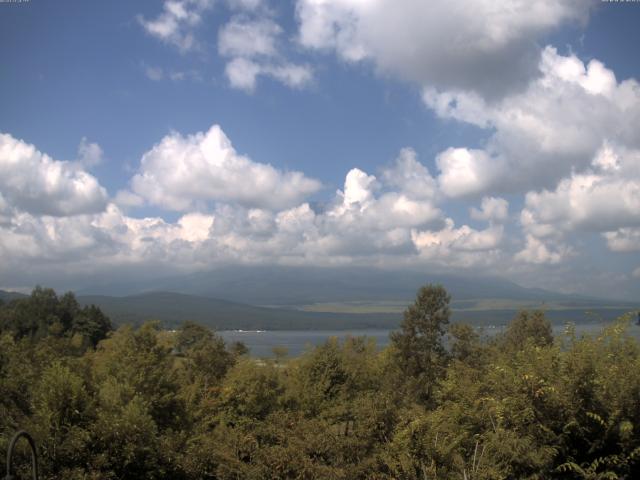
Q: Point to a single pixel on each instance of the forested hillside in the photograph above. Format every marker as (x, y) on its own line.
(146, 403)
(174, 308)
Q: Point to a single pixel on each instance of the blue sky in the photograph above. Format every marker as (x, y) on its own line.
(501, 138)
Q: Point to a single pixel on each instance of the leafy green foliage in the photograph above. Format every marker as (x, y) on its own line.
(148, 403)
(528, 327)
(43, 313)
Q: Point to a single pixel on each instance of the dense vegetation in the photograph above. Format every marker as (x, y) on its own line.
(147, 403)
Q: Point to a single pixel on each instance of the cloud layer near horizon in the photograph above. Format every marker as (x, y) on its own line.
(236, 210)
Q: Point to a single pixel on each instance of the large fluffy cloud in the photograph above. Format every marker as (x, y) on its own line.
(396, 218)
(539, 251)
(359, 206)
(33, 182)
(560, 131)
(592, 201)
(460, 247)
(543, 134)
(605, 199)
(477, 45)
(410, 176)
(186, 172)
(466, 172)
(568, 142)
(393, 219)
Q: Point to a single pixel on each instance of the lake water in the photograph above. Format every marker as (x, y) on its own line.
(261, 343)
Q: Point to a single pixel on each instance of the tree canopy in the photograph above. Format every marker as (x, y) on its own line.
(440, 402)
(44, 314)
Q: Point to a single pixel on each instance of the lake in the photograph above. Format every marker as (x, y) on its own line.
(261, 343)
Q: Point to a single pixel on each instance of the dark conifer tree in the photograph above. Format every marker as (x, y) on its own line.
(420, 350)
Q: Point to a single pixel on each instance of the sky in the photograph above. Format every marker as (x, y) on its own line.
(470, 137)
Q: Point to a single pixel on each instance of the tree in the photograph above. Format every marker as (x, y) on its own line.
(92, 324)
(528, 327)
(420, 352)
(133, 363)
(238, 348)
(44, 314)
(249, 392)
(205, 355)
(61, 407)
(190, 335)
(32, 316)
(465, 343)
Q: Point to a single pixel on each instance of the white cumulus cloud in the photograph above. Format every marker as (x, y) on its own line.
(465, 172)
(604, 198)
(31, 181)
(410, 176)
(237, 211)
(462, 246)
(492, 209)
(177, 22)
(184, 172)
(253, 47)
(554, 128)
(477, 45)
(623, 240)
(243, 73)
(537, 251)
(242, 38)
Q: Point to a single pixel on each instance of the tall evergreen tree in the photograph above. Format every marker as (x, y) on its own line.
(419, 347)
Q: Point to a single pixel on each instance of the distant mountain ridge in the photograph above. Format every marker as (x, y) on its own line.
(6, 296)
(302, 298)
(172, 309)
(234, 297)
(303, 285)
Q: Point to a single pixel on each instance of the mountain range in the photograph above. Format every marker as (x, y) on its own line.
(278, 298)
(303, 285)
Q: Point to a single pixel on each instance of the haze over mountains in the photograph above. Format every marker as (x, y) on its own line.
(304, 285)
(278, 298)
